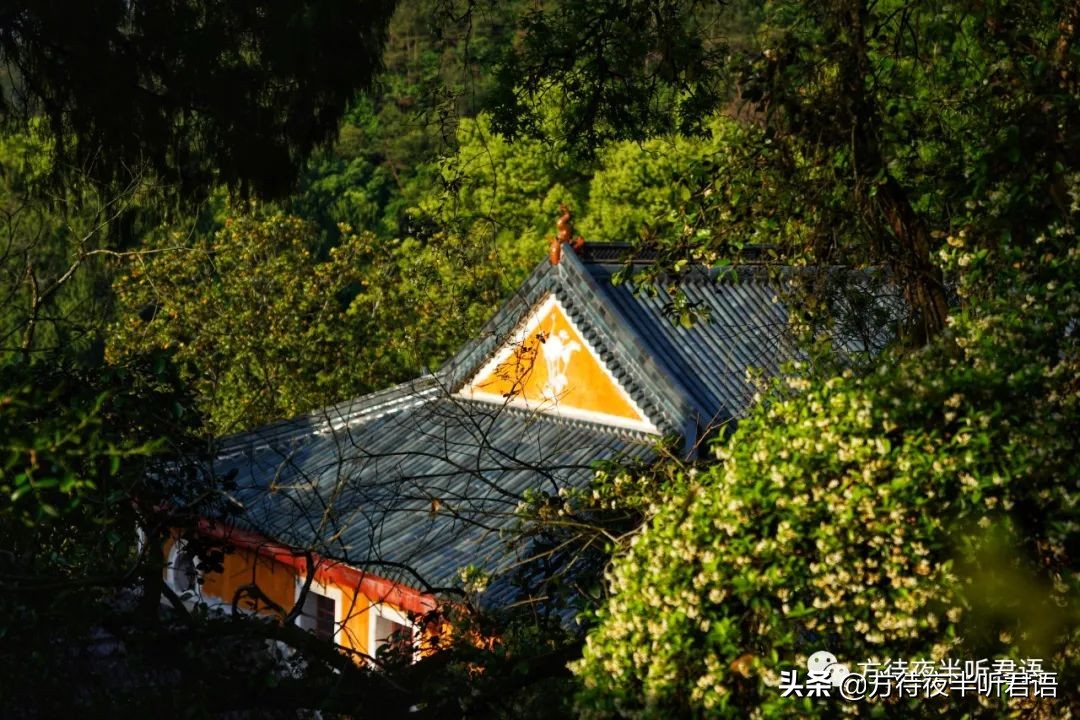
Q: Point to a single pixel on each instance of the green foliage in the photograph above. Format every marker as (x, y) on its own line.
(660, 192)
(866, 131)
(195, 94)
(264, 327)
(500, 193)
(256, 320)
(927, 510)
(508, 192)
(619, 70)
(355, 184)
(386, 158)
(641, 184)
(54, 274)
(425, 300)
(81, 452)
(97, 467)
(69, 451)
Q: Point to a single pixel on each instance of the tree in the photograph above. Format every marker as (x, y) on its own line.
(232, 94)
(883, 126)
(929, 140)
(78, 449)
(935, 141)
(924, 511)
(54, 253)
(619, 70)
(264, 326)
(500, 194)
(254, 316)
(90, 457)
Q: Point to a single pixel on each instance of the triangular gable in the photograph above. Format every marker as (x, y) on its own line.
(548, 366)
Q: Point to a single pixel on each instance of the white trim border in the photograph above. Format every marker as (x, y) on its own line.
(392, 614)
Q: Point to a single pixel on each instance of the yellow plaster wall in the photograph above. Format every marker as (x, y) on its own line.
(524, 374)
(278, 582)
(354, 632)
(245, 567)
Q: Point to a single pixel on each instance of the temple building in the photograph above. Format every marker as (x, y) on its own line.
(389, 496)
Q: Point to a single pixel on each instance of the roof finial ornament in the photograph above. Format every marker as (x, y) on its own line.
(564, 233)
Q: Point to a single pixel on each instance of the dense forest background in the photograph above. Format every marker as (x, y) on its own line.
(213, 221)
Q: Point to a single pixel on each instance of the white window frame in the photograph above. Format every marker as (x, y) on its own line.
(172, 574)
(392, 614)
(329, 591)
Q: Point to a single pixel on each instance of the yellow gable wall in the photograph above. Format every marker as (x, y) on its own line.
(279, 582)
(548, 366)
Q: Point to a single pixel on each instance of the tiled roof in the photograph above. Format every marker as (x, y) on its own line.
(416, 477)
(742, 325)
(433, 486)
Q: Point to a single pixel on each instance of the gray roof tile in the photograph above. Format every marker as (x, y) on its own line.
(433, 486)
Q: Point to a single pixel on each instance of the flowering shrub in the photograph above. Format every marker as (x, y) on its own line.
(926, 511)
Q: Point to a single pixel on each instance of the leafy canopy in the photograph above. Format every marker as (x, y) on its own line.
(194, 93)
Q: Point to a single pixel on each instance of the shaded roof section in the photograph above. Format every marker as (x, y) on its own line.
(415, 482)
(740, 325)
(417, 494)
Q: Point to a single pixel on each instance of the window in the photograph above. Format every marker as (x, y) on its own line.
(320, 613)
(325, 616)
(391, 631)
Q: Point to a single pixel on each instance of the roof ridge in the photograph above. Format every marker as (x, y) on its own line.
(626, 350)
(632, 341)
(331, 417)
(633, 254)
(473, 353)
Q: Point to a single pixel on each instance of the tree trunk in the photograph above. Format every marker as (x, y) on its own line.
(902, 239)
